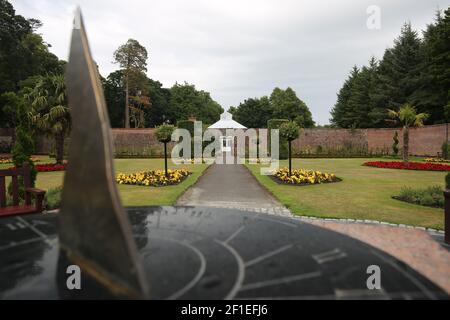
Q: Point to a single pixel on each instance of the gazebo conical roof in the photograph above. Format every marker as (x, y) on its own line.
(226, 122)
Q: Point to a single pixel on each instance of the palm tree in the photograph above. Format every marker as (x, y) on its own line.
(408, 117)
(50, 113)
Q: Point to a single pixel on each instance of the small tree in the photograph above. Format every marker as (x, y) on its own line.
(24, 144)
(408, 117)
(164, 135)
(290, 131)
(395, 144)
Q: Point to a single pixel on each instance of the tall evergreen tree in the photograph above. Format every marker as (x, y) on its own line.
(399, 69)
(341, 114)
(361, 102)
(432, 88)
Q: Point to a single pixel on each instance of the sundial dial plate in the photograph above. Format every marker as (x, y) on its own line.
(208, 253)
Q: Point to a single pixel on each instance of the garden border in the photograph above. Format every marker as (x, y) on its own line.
(281, 183)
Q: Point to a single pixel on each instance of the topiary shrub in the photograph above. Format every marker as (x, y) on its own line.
(53, 198)
(283, 147)
(447, 181)
(445, 150)
(164, 135)
(290, 131)
(21, 152)
(395, 144)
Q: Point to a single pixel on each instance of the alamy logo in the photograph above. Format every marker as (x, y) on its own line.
(74, 279)
(374, 280)
(374, 20)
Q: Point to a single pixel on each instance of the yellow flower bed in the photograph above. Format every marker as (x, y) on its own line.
(10, 160)
(301, 176)
(437, 160)
(154, 178)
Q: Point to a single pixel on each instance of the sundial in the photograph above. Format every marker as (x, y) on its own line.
(209, 253)
(174, 252)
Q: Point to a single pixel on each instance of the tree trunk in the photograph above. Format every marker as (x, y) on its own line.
(59, 146)
(290, 159)
(127, 109)
(165, 158)
(405, 144)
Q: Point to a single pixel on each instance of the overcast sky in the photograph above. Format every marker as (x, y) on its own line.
(237, 49)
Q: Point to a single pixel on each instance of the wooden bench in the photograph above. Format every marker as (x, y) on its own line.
(17, 208)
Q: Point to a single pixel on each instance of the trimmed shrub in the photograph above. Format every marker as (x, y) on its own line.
(395, 144)
(53, 198)
(429, 197)
(445, 150)
(276, 124)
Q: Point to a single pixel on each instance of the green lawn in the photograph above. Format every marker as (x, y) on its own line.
(132, 195)
(364, 193)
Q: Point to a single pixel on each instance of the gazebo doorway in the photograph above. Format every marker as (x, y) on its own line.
(226, 143)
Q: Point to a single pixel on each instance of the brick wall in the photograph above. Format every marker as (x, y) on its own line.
(424, 141)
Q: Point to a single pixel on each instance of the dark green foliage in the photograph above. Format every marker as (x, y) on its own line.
(53, 198)
(186, 124)
(286, 105)
(115, 98)
(414, 71)
(283, 146)
(433, 82)
(430, 197)
(395, 144)
(341, 114)
(23, 147)
(253, 112)
(159, 100)
(165, 105)
(289, 130)
(23, 54)
(164, 133)
(186, 101)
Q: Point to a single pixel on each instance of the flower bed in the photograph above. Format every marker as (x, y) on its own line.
(304, 177)
(48, 167)
(409, 165)
(154, 178)
(437, 160)
(10, 160)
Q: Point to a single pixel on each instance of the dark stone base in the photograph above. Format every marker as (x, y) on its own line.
(207, 253)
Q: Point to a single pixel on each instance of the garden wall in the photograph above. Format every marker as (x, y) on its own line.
(424, 141)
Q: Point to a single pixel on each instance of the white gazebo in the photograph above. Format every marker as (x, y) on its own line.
(226, 122)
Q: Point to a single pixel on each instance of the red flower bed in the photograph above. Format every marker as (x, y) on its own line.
(409, 166)
(48, 167)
